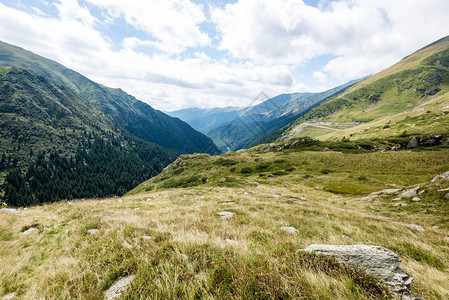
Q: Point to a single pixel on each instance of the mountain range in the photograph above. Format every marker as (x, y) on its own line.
(234, 128)
(64, 136)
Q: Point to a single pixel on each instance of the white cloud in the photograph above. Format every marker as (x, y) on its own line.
(365, 35)
(174, 24)
(319, 76)
(266, 41)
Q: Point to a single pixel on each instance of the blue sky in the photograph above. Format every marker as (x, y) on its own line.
(184, 53)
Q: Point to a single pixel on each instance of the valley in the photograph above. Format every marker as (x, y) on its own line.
(168, 235)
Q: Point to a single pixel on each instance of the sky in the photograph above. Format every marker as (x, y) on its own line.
(175, 54)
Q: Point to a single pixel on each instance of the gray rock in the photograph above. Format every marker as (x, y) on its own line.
(369, 197)
(92, 231)
(12, 211)
(117, 288)
(416, 199)
(30, 230)
(390, 191)
(227, 203)
(374, 260)
(148, 199)
(397, 199)
(416, 227)
(225, 214)
(69, 203)
(289, 229)
(146, 237)
(287, 184)
(345, 237)
(401, 204)
(443, 190)
(422, 211)
(9, 296)
(200, 193)
(386, 218)
(245, 193)
(445, 175)
(413, 143)
(410, 192)
(255, 183)
(446, 196)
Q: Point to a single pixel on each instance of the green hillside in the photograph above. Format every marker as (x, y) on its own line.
(411, 97)
(133, 115)
(56, 145)
(168, 236)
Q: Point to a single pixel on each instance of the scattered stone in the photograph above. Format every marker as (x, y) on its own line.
(255, 183)
(9, 296)
(148, 199)
(421, 192)
(146, 237)
(422, 211)
(416, 227)
(432, 207)
(200, 193)
(446, 196)
(206, 180)
(269, 177)
(390, 191)
(443, 190)
(92, 231)
(245, 193)
(376, 201)
(435, 227)
(401, 204)
(120, 200)
(289, 229)
(369, 197)
(386, 218)
(397, 199)
(116, 290)
(416, 199)
(374, 260)
(69, 203)
(335, 196)
(232, 242)
(137, 208)
(225, 214)
(442, 176)
(227, 203)
(30, 230)
(410, 192)
(345, 237)
(391, 184)
(13, 211)
(287, 184)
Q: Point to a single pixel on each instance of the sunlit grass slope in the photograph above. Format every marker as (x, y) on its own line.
(194, 254)
(411, 96)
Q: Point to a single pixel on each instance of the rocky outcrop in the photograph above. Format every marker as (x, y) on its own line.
(427, 141)
(377, 261)
(445, 175)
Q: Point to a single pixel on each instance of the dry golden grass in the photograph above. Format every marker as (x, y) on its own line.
(194, 253)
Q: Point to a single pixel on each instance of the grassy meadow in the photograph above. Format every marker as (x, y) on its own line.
(168, 233)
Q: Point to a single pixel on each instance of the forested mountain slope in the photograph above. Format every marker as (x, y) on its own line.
(137, 117)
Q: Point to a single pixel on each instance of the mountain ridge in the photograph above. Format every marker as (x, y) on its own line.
(138, 118)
